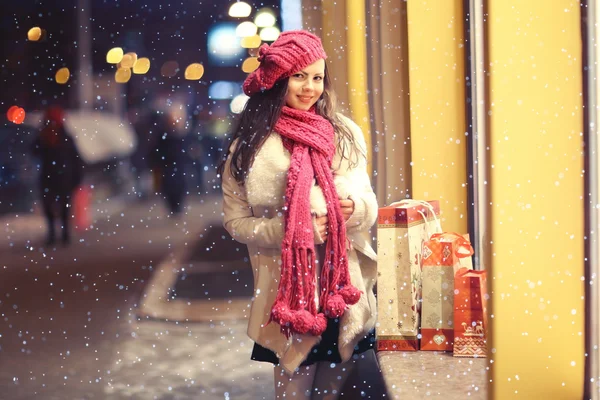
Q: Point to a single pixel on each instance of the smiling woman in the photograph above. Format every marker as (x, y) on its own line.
(297, 193)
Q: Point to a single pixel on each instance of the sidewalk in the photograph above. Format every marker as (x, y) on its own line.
(73, 324)
(70, 327)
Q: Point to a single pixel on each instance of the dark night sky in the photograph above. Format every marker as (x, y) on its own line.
(157, 29)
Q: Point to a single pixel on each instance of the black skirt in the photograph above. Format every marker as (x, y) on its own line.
(324, 351)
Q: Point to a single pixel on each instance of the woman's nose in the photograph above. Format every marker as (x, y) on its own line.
(307, 86)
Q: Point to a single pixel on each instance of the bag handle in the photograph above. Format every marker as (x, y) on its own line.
(429, 207)
(477, 273)
(464, 248)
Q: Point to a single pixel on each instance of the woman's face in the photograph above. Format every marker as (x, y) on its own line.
(306, 86)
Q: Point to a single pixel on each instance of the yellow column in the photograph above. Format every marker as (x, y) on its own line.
(357, 68)
(334, 42)
(437, 104)
(536, 194)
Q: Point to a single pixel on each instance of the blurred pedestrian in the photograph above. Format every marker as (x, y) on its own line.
(195, 149)
(61, 171)
(297, 192)
(168, 156)
(140, 120)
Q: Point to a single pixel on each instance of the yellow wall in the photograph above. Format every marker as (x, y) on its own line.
(537, 211)
(357, 69)
(437, 103)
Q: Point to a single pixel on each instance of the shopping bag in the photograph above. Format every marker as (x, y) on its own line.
(82, 197)
(442, 255)
(470, 313)
(401, 230)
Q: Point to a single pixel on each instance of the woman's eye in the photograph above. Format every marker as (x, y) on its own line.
(318, 78)
(299, 76)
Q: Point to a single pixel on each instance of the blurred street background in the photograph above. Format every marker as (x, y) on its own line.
(146, 295)
(74, 324)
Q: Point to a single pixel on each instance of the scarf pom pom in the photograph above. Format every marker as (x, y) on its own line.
(350, 294)
(335, 306)
(281, 314)
(320, 325)
(303, 321)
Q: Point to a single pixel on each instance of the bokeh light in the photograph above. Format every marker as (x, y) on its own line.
(16, 115)
(224, 90)
(123, 75)
(114, 55)
(238, 103)
(128, 60)
(169, 69)
(240, 9)
(246, 29)
(250, 64)
(10, 112)
(269, 34)
(194, 72)
(264, 18)
(251, 42)
(34, 34)
(141, 66)
(62, 75)
(223, 45)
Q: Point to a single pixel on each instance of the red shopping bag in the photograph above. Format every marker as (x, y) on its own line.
(470, 313)
(442, 255)
(81, 202)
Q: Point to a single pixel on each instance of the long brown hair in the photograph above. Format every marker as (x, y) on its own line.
(259, 116)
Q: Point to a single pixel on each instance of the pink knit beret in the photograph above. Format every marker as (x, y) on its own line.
(292, 51)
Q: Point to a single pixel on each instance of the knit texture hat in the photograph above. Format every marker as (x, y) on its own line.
(292, 51)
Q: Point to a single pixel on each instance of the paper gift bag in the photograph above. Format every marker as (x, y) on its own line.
(442, 255)
(82, 197)
(402, 228)
(470, 311)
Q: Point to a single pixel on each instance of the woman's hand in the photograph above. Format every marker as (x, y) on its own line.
(347, 208)
(322, 226)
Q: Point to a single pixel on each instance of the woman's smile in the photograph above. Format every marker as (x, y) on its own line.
(305, 99)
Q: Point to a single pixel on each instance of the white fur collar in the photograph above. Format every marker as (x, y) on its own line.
(267, 179)
(265, 185)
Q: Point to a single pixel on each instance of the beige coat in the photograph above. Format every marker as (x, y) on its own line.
(253, 215)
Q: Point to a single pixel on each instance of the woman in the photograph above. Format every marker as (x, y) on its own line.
(61, 171)
(297, 193)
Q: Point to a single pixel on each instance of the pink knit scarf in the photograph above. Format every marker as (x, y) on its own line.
(310, 139)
